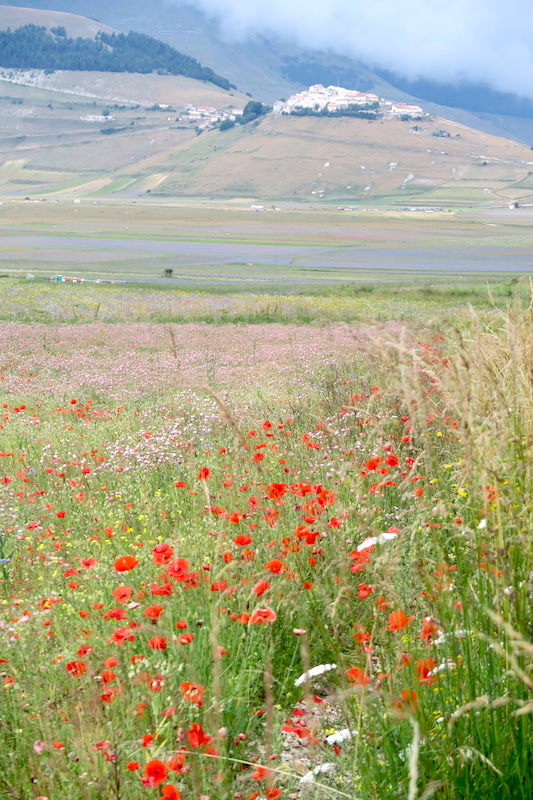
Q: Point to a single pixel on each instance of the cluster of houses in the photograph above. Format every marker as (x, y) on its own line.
(206, 117)
(336, 98)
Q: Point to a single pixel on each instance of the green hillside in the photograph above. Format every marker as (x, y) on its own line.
(35, 47)
(52, 144)
(75, 25)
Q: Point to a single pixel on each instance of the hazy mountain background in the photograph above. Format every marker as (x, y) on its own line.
(269, 67)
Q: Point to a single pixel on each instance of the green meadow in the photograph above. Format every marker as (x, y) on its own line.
(264, 539)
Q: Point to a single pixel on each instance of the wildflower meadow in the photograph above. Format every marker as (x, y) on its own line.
(267, 561)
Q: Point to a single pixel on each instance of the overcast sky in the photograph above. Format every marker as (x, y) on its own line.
(482, 40)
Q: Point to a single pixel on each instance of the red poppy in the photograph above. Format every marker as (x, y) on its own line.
(423, 667)
(116, 613)
(164, 590)
(185, 638)
(242, 539)
(178, 569)
(275, 566)
(121, 635)
(361, 635)
(176, 763)
(260, 773)
(76, 668)
(409, 699)
(193, 692)
(430, 630)
(358, 676)
(158, 643)
(262, 615)
(204, 473)
(260, 588)
(153, 612)
(125, 563)
(155, 773)
(398, 621)
(277, 490)
(326, 498)
(122, 593)
(162, 553)
(197, 736)
(272, 793)
(170, 792)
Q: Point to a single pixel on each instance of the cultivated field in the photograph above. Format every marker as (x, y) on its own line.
(209, 244)
(265, 560)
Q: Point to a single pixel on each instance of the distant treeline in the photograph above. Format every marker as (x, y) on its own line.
(252, 111)
(33, 47)
(361, 112)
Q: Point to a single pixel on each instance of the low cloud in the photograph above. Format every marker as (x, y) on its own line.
(447, 40)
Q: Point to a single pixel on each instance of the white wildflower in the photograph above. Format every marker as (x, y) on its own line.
(340, 736)
(312, 673)
(308, 777)
(459, 634)
(372, 540)
(444, 667)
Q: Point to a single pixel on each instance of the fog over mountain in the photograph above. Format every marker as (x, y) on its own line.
(466, 60)
(478, 41)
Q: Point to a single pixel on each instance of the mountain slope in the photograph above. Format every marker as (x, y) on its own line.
(269, 68)
(348, 160)
(35, 47)
(75, 25)
(50, 146)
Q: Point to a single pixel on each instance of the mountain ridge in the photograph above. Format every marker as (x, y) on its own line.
(50, 47)
(256, 66)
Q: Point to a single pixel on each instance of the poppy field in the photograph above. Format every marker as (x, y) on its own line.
(248, 562)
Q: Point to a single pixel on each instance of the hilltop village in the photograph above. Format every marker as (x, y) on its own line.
(318, 99)
(336, 99)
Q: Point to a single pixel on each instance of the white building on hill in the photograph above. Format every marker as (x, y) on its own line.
(406, 109)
